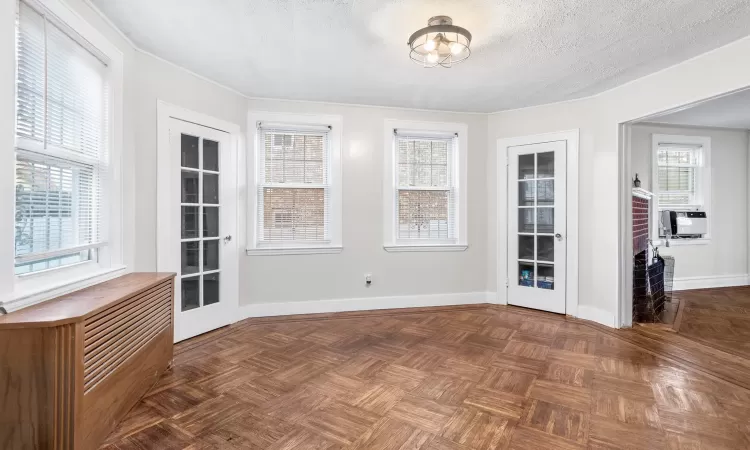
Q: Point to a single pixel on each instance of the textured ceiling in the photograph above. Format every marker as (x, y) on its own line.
(730, 111)
(525, 52)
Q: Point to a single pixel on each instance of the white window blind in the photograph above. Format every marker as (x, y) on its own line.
(425, 190)
(294, 184)
(61, 150)
(677, 175)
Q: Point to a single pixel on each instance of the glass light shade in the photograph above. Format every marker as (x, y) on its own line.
(440, 43)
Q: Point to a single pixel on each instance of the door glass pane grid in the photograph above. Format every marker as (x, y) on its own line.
(536, 220)
(199, 217)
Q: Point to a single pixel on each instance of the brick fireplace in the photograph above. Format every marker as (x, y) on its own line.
(643, 307)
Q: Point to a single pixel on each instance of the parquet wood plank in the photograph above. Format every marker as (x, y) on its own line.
(445, 378)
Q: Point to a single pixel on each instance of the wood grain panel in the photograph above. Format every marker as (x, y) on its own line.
(115, 334)
(71, 368)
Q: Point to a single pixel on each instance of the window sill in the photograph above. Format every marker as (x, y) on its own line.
(426, 248)
(683, 242)
(27, 295)
(275, 251)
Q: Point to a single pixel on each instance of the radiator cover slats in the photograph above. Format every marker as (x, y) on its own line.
(113, 335)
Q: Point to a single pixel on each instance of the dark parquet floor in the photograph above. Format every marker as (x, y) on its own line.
(465, 378)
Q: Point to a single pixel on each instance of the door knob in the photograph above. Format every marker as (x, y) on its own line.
(228, 238)
(558, 236)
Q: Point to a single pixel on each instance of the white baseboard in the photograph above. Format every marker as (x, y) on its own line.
(492, 298)
(363, 304)
(596, 315)
(682, 284)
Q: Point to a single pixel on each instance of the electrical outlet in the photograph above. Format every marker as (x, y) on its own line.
(368, 279)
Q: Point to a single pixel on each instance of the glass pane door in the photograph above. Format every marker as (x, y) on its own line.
(536, 220)
(199, 222)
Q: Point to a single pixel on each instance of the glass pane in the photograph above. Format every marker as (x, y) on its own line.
(210, 255)
(545, 248)
(545, 165)
(525, 166)
(210, 221)
(190, 298)
(210, 289)
(210, 188)
(526, 274)
(526, 220)
(526, 247)
(190, 257)
(545, 220)
(293, 214)
(424, 214)
(526, 193)
(546, 276)
(210, 155)
(545, 192)
(189, 222)
(189, 146)
(189, 187)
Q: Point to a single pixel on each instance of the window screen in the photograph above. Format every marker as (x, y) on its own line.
(294, 187)
(425, 190)
(678, 170)
(61, 151)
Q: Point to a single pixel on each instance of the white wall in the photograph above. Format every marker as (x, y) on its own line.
(292, 278)
(159, 80)
(727, 253)
(722, 70)
(340, 276)
(267, 279)
(309, 277)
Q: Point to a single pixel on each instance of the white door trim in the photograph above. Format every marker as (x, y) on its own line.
(165, 233)
(571, 279)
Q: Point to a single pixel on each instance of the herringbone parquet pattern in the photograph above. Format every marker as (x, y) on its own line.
(481, 378)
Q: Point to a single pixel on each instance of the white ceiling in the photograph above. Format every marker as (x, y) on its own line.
(525, 52)
(730, 111)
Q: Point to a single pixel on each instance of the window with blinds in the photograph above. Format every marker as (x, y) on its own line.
(294, 185)
(678, 172)
(61, 144)
(425, 191)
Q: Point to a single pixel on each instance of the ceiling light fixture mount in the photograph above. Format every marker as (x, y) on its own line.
(440, 43)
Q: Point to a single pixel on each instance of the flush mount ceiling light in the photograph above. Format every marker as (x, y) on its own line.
(440, 43)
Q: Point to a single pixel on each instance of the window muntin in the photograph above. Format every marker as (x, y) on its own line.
(61, 151)
(294, 186)
(425, 192)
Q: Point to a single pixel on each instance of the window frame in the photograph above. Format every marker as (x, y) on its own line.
(458, 178)
(30, 288)
(254, 246)
(702, 185)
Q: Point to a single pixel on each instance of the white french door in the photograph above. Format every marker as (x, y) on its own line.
(201, 216)
(537, 225)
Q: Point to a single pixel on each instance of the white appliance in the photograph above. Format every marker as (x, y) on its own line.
(683, 224)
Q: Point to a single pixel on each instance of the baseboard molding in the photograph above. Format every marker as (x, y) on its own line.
(682, 284)
(363, 304)
(596, 315)
(492, 298)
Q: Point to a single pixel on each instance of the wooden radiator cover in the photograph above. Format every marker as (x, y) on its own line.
(71, 368)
